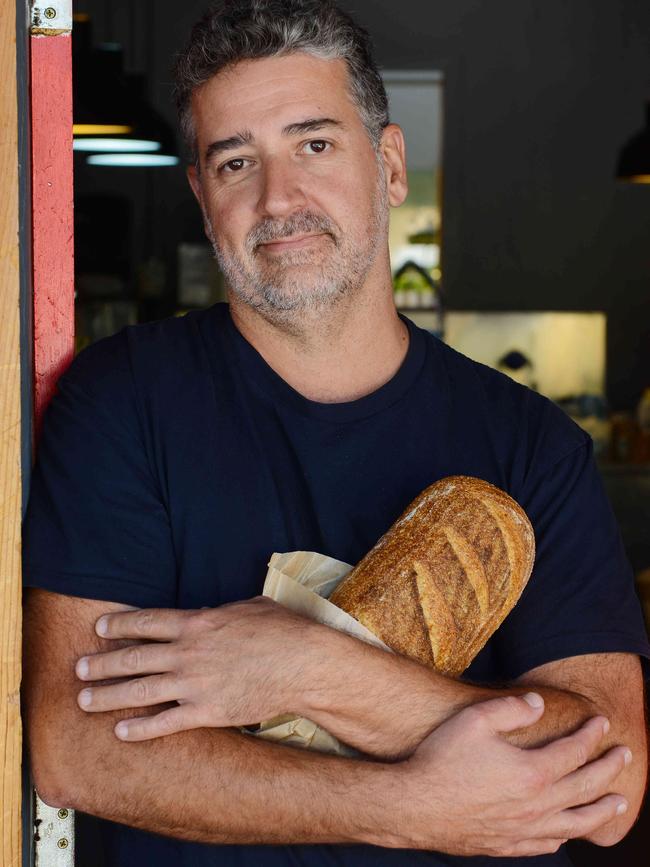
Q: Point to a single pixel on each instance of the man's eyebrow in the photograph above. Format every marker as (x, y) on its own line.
(226, 144)
(246, 137)
(310, 125)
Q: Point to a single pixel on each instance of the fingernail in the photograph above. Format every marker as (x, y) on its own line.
(121, 730)
(627, 757)
(101, 627)
(533, 699)
(85, 697)
(82, 667)
(622, 808)
(605, 726)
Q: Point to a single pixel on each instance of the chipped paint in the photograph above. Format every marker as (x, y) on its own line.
(51, 19)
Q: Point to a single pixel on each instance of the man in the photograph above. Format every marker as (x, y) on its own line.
(179, 455)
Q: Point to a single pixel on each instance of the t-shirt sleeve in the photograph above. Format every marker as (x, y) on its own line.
(96, 523)
(580, 597)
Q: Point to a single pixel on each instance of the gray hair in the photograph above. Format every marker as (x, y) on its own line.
(235, 30)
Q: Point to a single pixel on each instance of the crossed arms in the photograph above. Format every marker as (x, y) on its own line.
(536, 777)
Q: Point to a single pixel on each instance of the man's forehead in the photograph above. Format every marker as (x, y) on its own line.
(277, 89)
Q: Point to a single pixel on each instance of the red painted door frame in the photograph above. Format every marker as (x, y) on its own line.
(52, 198)
(52, 224)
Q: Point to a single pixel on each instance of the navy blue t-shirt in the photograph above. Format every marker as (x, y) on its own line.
(175, 461)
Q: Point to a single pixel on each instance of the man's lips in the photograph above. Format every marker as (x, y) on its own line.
(293, 242)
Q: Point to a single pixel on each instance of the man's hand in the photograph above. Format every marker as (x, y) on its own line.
(229, 666)
(484, 796)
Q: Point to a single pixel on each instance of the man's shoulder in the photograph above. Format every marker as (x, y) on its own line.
(488, 403)
(143, 355)
(475, 377)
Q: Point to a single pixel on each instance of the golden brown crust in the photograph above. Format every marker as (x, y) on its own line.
(441, 581)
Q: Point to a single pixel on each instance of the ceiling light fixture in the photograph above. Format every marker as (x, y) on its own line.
(100, 129)
(122, 145)
(132, 160)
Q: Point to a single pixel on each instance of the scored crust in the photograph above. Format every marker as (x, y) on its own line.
(443, 578)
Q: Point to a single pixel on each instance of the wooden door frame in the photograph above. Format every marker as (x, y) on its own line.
(11, 497)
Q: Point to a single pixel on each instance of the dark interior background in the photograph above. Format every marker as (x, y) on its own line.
(539, 98)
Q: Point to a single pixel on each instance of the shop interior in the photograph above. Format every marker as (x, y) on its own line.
(524, 240)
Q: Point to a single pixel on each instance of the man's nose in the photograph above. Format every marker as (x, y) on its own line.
(281, 192)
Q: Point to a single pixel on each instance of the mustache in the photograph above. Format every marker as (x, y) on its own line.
(302, 222)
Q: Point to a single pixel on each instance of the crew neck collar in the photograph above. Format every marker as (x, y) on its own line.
(273, 388)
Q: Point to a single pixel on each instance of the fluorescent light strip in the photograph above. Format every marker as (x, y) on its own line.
(115, 145)
(100, 129)
(132, 160)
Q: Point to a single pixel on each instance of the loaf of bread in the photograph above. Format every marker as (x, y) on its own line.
(441, 581)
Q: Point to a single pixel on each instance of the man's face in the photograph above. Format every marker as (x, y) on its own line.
(294, 196)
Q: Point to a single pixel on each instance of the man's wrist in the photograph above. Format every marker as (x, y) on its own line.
(330, 677)
(380, 703)
(383, 798)
(407, 811)
(319, 678)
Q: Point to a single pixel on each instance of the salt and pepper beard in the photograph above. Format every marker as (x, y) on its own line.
(280, 289)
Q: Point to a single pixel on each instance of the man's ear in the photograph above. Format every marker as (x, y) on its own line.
(393, 150)
(194, 178)
(192, 173)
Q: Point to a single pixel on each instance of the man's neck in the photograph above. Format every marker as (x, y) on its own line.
(332, 356)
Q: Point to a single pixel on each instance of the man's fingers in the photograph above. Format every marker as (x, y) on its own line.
(167, 722)
(526, 848)
(582, 821)
(158, 624)
(138, 659)
(507, 713)
(141, 692)
(565, 755)
(591, 781)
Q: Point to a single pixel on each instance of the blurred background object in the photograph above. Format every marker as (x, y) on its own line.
(634, 161)
(416, 100)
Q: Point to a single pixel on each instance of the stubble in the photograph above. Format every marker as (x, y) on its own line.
(290, 285)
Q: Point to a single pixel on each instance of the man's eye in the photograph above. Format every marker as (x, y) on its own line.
(317, 146)
(234, 165)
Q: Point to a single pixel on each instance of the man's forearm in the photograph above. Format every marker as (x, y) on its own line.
(219, 786)
(211, 785)
(385, 704)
